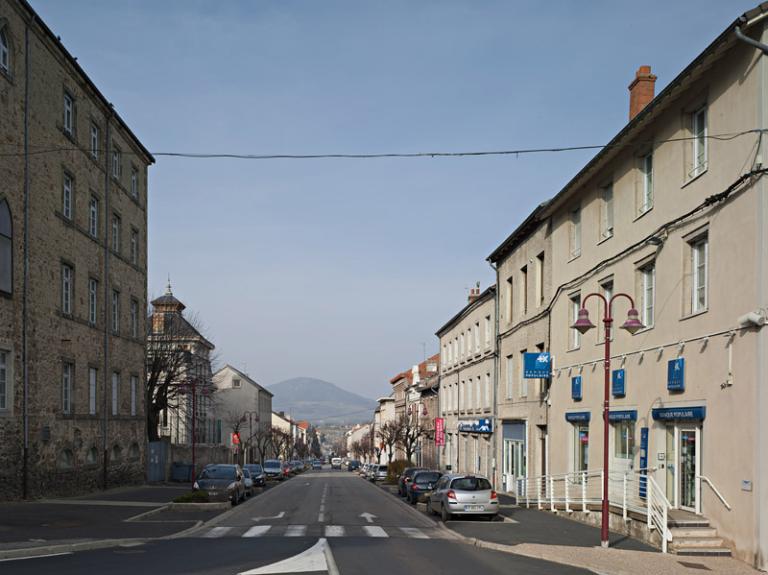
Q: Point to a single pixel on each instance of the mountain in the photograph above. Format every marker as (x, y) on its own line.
(320, 401)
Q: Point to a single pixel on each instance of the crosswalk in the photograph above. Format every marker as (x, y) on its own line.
(318, 530)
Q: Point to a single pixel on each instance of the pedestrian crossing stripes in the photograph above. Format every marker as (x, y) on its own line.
(316, 530)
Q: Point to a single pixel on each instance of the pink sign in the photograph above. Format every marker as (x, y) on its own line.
(439, 431)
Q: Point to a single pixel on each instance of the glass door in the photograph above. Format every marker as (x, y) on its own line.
(688, 466)
(581, 448)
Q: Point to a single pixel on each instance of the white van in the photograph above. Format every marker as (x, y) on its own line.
(336, 463)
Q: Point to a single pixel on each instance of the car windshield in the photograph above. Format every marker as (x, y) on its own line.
(412, 470)
(254, 468)
(272, 463)
(218, 473)
(471, 484)
(382, 468)
(246, 473)
(429, 477)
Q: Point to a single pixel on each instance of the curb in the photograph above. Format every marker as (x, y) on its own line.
(437, 524)
(27, 552)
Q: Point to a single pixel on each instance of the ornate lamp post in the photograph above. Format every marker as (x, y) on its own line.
(583, 325)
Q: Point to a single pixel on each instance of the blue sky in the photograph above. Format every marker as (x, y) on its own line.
(341, 269)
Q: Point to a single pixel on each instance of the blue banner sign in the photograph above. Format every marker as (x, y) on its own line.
(628, 415)
(617, 381)
(476, 426)
(578, 416)
(679, 413)
(643, 491)
(576, 388)
(537, 365)
(676, 374)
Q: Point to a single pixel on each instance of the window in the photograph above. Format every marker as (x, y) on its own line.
(5, 359)
(647, 294)
(540, 279)
(115, 392)
(93, 292)
(510, 375)
(699, 141)
(575, 238)
(134, 389)
(5, 52)
(575, 301)
(117, 163)
(69, 113)
(468, 386)
(521, 374)
(93, 375)
(134, 182)
(510, 293)
(487, 331)
(134, 317)
(115, 311)
(699, 264)
(455, 351)
(66, 197)
(134, 246)
(646, 200)
(6, 248)
(524, 290)
(94, 141)
(93, 217)
(116, 224)
(67, 279)
(236, 382)
(67, 371)
(461, 345)
(624, 439)
(477, 337)
(488, 399)
(606, 220)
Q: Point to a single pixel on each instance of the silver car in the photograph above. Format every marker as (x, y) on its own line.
(379, 472)
(464, 495)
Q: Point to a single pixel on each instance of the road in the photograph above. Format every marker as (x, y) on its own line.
(319, 522)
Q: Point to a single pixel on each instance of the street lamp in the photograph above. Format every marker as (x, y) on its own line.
(583, 325)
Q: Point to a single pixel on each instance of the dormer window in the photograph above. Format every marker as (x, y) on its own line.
(236, 382)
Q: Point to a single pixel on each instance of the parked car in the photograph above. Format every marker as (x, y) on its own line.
(257, 474)
(353, 465)
(464, 495)
(296, 466)
(273, 469)
(317, 464)
(379, 473)
(336, 463)
(287, 470)
(405, 478)
(222, 482)
(365, 469)
(421, 485)
(248, 480)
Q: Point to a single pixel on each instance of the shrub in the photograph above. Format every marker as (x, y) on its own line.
(198, 496)
(396, 468)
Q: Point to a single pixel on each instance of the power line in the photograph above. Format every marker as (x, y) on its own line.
(435, 154)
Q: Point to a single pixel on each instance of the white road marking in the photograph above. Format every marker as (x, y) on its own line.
(374, 531)
(334, 531)
(321, 514)
(278, 516)
(35, 557)
(312, 560)
(257, 531)
(295, 530)
(217, 532)
(414, 533)
(369, 517)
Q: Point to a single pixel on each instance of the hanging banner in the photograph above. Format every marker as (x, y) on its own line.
(439, 431)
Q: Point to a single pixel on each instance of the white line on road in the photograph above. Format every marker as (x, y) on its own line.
(278, 516)
(295, 530)
(414, 533)
(217, 532)
(374, 531)
(321, 514)
(334, 531)
(257, 531)
(369, 517)
(313, 560)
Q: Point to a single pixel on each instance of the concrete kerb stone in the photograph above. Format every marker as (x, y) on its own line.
(70, 547)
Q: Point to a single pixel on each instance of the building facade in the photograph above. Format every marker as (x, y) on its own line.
(73, 280)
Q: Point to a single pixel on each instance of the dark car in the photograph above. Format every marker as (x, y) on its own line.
(405, 478)
(353, 465)
(273, 469)
(257, 474)
(422, 485)
(317, 464)
(222, 482)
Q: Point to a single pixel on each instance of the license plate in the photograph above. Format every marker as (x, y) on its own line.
(213, 493)
(474, 508)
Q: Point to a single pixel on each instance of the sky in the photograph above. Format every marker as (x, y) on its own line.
(344, 269)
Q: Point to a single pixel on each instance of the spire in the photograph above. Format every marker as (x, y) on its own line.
(168, 290)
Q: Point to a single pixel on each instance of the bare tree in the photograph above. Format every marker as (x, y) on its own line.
(282, 442)
(410, 434)
(261, 440)
(391, 434)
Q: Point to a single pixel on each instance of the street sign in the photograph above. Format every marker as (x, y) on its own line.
(576, 388)
(537, 365)
(676, 374)
(439, 431)
(618, 381)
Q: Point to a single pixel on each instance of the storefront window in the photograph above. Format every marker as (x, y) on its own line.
(581, 447)
(624, 439)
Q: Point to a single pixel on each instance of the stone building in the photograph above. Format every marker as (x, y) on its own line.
(73, 277)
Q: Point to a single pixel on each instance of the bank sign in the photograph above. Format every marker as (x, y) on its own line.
(476, 426)
(676, 374)
(537, 365)
(439, 431)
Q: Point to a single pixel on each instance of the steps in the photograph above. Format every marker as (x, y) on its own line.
(693, 536)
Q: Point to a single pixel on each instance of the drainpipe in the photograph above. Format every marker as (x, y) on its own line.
(107, 303)
(495, 409)
(25, 288)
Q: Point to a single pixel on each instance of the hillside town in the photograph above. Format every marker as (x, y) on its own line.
(596, 406)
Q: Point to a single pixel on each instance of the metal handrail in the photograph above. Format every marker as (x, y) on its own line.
(715, 489)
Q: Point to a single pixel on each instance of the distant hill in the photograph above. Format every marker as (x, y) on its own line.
(320, 401)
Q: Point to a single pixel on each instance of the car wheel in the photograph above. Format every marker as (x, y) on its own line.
(444, 514)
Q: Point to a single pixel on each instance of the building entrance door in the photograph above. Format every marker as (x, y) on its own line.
(514, 462)
(683, 462)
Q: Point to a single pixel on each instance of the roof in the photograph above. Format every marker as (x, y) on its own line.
(178, 326)
(245, 377)
(654, 108)
(73, 62)
(522, 231)
(423, 373)
(482, 298)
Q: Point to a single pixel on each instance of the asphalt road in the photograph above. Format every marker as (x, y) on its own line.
(318, 522)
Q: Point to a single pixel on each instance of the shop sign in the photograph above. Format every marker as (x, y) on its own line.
(476, 426)
(628, 415)
(676, 374)
(537, 365)
(439, 431)
(576, 388)
(618, 383)
(679, 413)
(578, 416)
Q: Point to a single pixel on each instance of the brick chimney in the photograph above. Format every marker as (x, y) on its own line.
(474, 293)
(641, 90)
